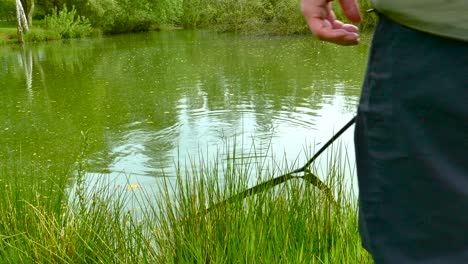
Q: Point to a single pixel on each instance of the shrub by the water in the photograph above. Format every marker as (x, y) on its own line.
(68, 24)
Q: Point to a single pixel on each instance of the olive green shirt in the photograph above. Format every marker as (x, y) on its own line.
(448, 18)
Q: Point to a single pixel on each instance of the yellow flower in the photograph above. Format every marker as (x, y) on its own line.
(132, 187)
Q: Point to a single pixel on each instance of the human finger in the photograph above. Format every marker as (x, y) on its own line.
(348, 27)
(324, 31)
(351, 10)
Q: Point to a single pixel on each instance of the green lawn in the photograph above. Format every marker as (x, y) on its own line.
(7, 31)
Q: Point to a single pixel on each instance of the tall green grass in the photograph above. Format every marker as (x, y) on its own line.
(292, 223)
(56, 216)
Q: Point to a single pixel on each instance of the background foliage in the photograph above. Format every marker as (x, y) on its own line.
(117, 16)
(7, 9)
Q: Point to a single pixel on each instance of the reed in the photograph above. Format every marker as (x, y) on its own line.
(57, 216)
(293, 223)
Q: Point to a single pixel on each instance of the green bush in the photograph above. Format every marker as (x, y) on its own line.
(68, 24)
(255, 16)
(241, 15)
(131, 16)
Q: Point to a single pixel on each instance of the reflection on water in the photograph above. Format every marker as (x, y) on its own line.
(147, 101)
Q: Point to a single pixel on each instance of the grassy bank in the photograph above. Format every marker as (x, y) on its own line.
(60, 24)
(8, 32)
(91, 18)
(292, 223)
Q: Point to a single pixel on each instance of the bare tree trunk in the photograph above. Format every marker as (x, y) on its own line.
(22, 22)
(27, 59)
(31, 13)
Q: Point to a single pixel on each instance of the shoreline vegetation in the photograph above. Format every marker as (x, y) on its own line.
(50, 212)
(63, 19)
(54, 215)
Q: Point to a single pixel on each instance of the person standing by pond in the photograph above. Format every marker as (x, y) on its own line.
(411, 135)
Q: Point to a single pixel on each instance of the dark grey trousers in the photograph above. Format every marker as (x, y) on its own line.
(411, 143)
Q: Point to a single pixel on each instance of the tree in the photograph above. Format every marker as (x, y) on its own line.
(22, 21)
(29, 7)
(44, 7)
(31, 13)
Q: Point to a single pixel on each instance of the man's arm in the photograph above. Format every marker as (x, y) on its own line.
(323, 23)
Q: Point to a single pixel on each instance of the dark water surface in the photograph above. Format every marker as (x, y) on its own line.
(133, 105)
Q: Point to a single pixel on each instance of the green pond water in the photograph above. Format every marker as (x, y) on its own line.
(134, 105)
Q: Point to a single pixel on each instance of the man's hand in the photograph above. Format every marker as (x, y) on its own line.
(323, 23)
